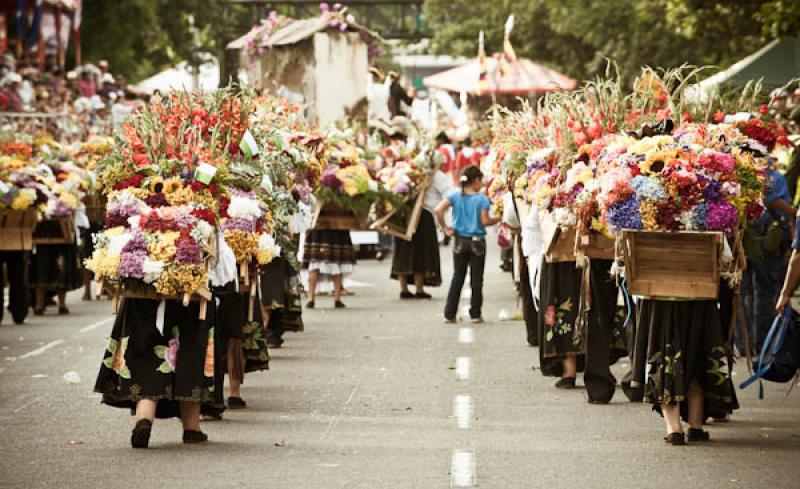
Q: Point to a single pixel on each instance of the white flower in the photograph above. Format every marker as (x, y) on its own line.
(134, 221)
(202, 232)
(372, 185)
(268, 249)
(116, 243)
(244, 208)
(564, 217)
(153, 269)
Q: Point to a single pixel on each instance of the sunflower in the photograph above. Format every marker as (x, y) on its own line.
(172, 185)
(656, 161)
(156, 184)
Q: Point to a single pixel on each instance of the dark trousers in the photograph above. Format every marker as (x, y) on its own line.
(16, 263)
(466, 258)
(761, 286)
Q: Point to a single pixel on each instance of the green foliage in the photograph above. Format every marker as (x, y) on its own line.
(577, 36)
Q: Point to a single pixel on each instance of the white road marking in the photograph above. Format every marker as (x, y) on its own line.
(462, 410)
(30, 402)
(462, 469)
(40, 350)
(334, 422)
(96, 325)
(466, 335)
(463, 367)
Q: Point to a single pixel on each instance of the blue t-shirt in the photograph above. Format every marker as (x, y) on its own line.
(467, 213)
(776, 188)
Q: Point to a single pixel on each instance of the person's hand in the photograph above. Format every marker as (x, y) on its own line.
(783, 301)
(449, 232)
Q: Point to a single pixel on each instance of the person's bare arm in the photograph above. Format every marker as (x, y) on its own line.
(781, 205)
(487, 220)
(789, 284)
(440, 210)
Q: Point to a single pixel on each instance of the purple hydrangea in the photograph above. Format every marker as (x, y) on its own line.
(136, 244)
(699, 213)
(329, 178)
(721, 215)
(625, 214)
(185, 219)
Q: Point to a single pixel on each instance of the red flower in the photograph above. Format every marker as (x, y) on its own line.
(719, 116)
(550, 316)
(141, 161)
(198, 186)
(763, 109)
(134, 180)
(206, 215)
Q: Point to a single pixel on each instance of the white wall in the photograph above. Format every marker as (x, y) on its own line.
(340, 73)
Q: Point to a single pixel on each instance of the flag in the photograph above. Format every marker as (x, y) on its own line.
(204, 173)
(509, 58)
(248, 144)
(483, 68)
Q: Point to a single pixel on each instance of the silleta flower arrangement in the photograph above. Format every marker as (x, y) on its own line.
(164, 184)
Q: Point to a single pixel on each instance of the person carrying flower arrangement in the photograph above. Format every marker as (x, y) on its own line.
(470, 218)
(328, 254)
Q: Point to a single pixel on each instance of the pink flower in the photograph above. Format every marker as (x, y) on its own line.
(171, 355)
(337, 6)
(324, 6)
(550, 316)
(351, 19)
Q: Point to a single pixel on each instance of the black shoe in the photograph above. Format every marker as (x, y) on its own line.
(566, 383)
(310, 305)
(406, 295)
(63, 311)
(422, 295)
(675, 439)
(339, 305)
(191, 436)
(140, 436)
(236, 403)
(698, 434)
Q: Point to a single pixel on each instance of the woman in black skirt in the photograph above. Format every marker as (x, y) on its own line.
(561, 335)
(687, 364)
(328, 253)
(156, 373)
(418, 259)
(55, 268)
(280, 300)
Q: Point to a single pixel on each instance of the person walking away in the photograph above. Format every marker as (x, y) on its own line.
(470, 218)
(418, 259)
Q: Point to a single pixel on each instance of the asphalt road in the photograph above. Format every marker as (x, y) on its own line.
(381, 395)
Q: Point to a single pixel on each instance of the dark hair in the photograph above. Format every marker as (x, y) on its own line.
(469, 175)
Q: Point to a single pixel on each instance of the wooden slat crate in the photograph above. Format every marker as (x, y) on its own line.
(54, 231)
(681, 265)
(598, 246)
(96, 208)
(16, 229)
(327, 216)
(561, 247)
(386, 225)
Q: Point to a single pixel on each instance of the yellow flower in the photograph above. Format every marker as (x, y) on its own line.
(102, 264)
(172, 185)
(24, 200)
(70, 199)
(156, 184)
(656, 161)
(162, 246)
(649, 144)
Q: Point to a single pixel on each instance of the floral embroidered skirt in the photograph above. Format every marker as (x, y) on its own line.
(559, 337)
(234, 311)
(420, 255)
(685, 344)
(142, 362)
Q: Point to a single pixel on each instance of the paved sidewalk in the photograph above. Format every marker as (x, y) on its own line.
(381, 395)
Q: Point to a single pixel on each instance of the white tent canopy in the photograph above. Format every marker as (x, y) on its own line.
(179, 77)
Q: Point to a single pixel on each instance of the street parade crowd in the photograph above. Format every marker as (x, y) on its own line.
(636, 224)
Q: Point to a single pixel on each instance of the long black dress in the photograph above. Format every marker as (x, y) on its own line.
(685, 344)
(420, 255)
(560, 333)
(280, 293)
(142, 362)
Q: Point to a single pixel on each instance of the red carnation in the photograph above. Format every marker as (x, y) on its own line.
(206, 215)
(141, 161)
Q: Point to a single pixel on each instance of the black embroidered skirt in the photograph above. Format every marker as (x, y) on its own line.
(560, 334)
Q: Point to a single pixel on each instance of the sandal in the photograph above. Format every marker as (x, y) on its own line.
(63, 311)
(675, 439)
(406, 295)
(236, 403)
(140, 436)
(339, 305)
(310, 305)
(422, 295)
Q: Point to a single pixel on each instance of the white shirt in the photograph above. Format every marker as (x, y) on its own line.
(437, 192)
(378, 101)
